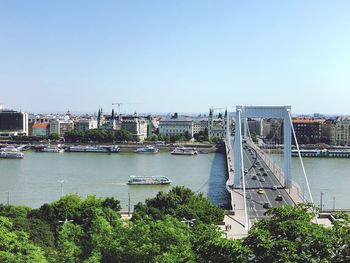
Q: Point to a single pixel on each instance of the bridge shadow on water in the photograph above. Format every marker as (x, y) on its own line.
(217, 192)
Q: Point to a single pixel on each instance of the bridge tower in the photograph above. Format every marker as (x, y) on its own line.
(245, 112)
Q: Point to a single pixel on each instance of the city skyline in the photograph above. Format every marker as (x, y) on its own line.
(175, 57)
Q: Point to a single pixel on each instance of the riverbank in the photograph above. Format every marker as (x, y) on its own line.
(124, 147)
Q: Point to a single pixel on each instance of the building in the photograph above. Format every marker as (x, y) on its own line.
(13, 123)
(307, 131)
(84, 125)
(217, 127)
(135, 125)
(200, 125)
(173, 127)
(40, 129)
(328, 132)
(256, 126)
(342, 130)
(61, 126)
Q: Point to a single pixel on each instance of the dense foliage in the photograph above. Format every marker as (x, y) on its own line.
(75, 229)
(186, 136)
(99, 135)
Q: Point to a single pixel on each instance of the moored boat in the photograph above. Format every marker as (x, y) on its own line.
(95, 149)
(147, 149)
(184, 151)
(322, 153)
(11, 153)
(52, 149)
(148, 180)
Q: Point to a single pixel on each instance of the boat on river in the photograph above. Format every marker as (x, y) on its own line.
(11, 152)
(322, 153)
(147, 149)
(148, 180)
(184, 151)
(95, 149)
(52, 149)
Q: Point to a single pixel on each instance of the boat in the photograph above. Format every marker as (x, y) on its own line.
(11, 152)
(322, 153)
(184, 151)
(147, 149)
(95, 149)
(148, 180)
(52, 149)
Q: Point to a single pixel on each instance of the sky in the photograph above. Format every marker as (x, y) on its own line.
(174, 56)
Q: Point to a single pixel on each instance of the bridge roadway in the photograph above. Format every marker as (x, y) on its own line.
(255, 167)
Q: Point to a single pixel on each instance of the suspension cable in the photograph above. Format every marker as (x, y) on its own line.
(301, 160)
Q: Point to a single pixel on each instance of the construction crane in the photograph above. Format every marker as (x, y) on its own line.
(119, 104)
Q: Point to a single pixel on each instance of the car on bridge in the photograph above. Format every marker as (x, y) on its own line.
(262, 169)
(279, 198)
(264, 174)
(254, 177)
(261, 191)
(267, 205)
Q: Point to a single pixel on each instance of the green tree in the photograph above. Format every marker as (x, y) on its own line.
(15, 245)
(180, 202)
(290, 236)
(54, 136)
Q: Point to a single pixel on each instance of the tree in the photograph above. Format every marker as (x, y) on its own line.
(210, 246)
(54, 136)
(290, 236)
(15, 245)
(180, 202)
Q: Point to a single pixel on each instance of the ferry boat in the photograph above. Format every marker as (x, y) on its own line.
(322, 153)
(148, 180)
(95, 149)
(184, 151)
(11, 152)
(147, 149)
(51, 149)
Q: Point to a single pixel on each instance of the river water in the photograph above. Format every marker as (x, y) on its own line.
(34, 180)
(331, 176)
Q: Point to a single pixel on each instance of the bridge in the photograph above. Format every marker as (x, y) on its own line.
(254, 181)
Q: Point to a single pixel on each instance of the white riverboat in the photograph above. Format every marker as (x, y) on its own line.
(184, 151)
(147, 149)
(148, 180)
(11, 152)
(95, 149)
(52, 149)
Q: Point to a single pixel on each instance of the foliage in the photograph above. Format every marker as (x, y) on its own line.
(15, 246)
(290, 236)
(94, 232)
(14, 211)
(202, 136)
(210, 246)
(54, 136)
(186, 136)
(99, 135)
(180, 202)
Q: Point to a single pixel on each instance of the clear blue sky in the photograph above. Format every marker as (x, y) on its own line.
(175, 55)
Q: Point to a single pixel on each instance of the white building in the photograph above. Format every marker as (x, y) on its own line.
(170, 127)
(61, 126)
(84, 125)
(137, 126)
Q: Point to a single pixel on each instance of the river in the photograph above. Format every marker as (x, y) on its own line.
(34, 180)
(331, 176)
